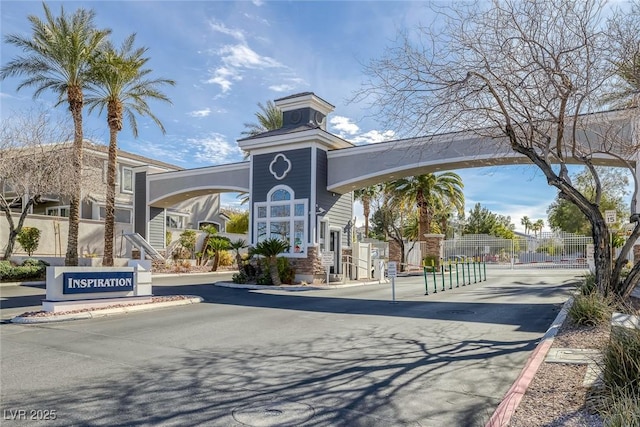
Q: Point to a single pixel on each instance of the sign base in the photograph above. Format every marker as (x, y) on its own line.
(88, 304)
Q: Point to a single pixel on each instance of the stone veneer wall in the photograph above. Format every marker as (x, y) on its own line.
(308, 269)
(395, 252)
(431, 245)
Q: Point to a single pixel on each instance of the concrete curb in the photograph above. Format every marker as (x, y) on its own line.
(512, 399)
(36, 283)
(106, 312)
(294, 288)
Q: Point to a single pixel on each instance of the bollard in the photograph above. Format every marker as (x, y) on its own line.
(450, 278)
(457, 277)
(426, 285)
(435, 284)
(485, 271)
(474, 271)
(464, 280)
(469, 271)
(442, 274)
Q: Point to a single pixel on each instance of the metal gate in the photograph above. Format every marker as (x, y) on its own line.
(548, 250)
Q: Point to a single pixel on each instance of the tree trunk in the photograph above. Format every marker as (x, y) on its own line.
(110, 199)
(366, 208)
(273, 271)
(14, 229)
(74, 95)
(215, 262)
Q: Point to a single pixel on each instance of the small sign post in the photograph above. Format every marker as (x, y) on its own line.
(327, 262)
(392, 272)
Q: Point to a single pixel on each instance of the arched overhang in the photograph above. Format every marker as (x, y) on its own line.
(167, 189)
(362, 166)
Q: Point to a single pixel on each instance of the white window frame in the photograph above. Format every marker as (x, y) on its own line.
(56, 209)
(292, 218)
(117, 207)
(123, 181)
(184, 218)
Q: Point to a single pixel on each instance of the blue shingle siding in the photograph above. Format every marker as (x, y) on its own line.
(156, 227)
(140, 204)
(339, 207)
(298, 178)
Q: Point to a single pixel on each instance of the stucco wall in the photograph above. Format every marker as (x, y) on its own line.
(54, 232)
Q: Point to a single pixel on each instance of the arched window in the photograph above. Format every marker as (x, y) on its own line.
(284, 217)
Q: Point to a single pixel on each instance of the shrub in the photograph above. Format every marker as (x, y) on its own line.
(618, 401)
(240, 278)
(591, 309)
(29, 238)
(621, 409)
(588, 285)
(30, 270)
(188, 240)
(225, 259)
(285, 271)
(621, 360)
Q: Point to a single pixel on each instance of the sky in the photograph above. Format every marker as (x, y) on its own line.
(227, 57)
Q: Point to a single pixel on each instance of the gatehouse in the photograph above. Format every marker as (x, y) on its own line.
(300, 178)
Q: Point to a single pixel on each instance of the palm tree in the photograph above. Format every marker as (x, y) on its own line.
(119, 82)
(215, 246)
(526, 222)
(429, 193)
(269, 118)
(538, 226)
(236, 245)
(365, 195)
(58, 57)
(270, 249)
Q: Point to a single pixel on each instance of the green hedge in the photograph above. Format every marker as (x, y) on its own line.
(31, 269)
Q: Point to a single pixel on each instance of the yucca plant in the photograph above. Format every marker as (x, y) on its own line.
(270, 249)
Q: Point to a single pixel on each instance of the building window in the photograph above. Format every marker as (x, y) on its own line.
(127, 180)
(283, 217)
(58, 211)
(177, 220)
(121, 215)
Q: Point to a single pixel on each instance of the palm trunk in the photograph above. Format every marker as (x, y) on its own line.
(366, 210)
(75, 106)
(110, 199)
(273, 271)
(216, 261)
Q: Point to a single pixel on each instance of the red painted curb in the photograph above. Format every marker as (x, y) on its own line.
(511, 400)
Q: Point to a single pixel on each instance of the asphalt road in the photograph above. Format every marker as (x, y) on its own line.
(340, 357)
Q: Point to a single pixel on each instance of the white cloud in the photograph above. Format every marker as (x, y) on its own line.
(236, 59)
(242, 56)
(350, 131)
(221, 28)
(214, 149)
(344, 125)
(282, 88)
(372, 137)
(200, 113)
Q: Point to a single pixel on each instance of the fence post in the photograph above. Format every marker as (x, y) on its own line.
(450, 278)
(469, 271)
(457, 277)
(442, 274)
(485, 271)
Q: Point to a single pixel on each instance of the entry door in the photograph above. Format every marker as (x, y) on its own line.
(334, 246)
